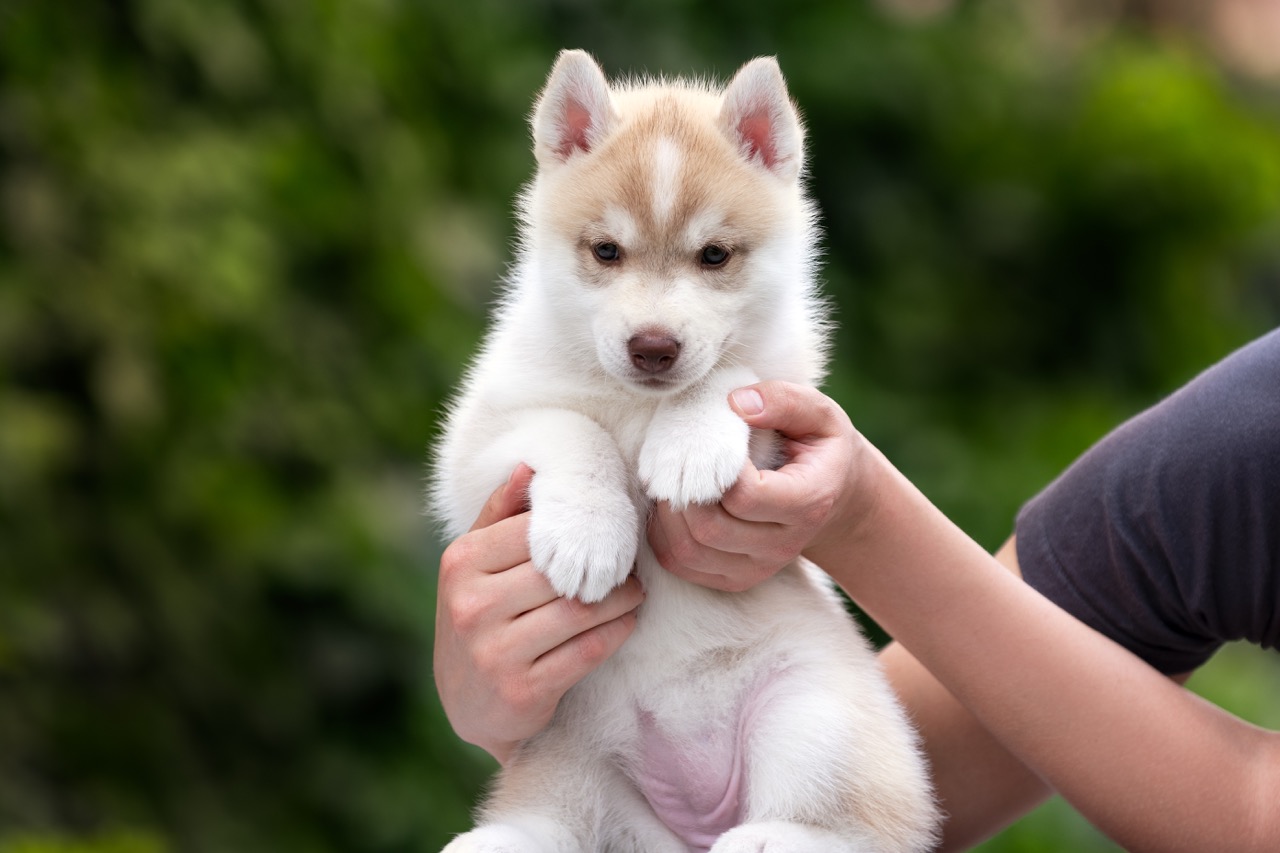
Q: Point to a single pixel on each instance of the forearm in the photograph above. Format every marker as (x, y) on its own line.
(1149, 763)
(980, 786)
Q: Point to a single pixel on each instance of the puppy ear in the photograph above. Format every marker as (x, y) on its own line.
(757, 114)
(574, 112)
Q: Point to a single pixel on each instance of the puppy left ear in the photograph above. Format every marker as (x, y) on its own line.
(757, 114)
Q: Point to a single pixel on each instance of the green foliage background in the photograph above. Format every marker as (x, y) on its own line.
(246, 247)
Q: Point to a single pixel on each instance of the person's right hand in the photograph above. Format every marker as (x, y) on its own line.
(507, 648)
(768, 518)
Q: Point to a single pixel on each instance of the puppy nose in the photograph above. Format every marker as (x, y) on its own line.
(653, 353)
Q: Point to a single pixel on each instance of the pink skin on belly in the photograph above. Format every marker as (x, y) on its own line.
(697, 788)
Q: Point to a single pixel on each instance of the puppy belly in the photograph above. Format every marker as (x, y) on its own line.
(696, 784)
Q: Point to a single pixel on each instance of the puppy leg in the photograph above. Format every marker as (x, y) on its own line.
(696, 445)
(833, 766)
(522, 834)
(632, 827)
(559, 797)
(784, 837)
(628, 826)
(541, 802)
(585, 526)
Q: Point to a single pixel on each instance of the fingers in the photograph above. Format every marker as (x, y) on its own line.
(568, 663)
(783, 496)
(499, 539)
(679, 553)
(501, 668)
(707, 546)
(516, 617)
(551, 648)
(508, 500)
(518, 603)
(821, 444)
(488, 550)
(564, 620)
(682, 536)
(818, 435)
(797, 411)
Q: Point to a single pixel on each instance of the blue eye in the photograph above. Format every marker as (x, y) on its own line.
(714, 256)
(606, 252)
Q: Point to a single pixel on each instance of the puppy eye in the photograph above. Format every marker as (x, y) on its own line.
(606, 253)
(713, 255)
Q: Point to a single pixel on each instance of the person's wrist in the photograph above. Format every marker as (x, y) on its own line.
(501, 751)
(855, 505)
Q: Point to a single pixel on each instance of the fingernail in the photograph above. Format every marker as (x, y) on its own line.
(511, 481)
(747, 401)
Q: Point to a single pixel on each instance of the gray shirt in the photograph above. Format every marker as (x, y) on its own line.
(1165, 535)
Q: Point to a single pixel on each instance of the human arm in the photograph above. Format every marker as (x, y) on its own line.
(1152, 765)
(980, 786)
(506, 646)
(962, 752)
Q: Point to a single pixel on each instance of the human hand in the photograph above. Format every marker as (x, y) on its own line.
(768, 518)
(507, 648)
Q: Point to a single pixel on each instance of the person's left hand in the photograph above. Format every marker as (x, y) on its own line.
(767, 518)
(507, 647)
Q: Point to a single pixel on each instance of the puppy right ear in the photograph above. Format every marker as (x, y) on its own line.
(574, 111)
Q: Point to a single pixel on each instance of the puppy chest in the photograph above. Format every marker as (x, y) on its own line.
(627, 421)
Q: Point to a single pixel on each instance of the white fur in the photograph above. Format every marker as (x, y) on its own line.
(666, 173)
(775, 679)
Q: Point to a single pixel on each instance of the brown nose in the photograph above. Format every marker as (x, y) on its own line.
(653, 353)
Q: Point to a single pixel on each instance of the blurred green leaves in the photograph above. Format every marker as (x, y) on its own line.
(246, 247)
(111, 842)
(219, 375)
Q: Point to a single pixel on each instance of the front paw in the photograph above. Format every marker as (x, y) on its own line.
(783, 837)
(493, 839)
(693, 463)
(582, 539)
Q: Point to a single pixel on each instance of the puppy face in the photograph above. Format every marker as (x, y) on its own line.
(666, 218)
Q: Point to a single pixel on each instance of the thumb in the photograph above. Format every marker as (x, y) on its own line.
(511, 498)
(796, 411)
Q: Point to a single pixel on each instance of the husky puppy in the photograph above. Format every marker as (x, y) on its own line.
(666, 257)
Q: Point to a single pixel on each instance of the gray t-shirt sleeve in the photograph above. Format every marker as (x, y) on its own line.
(1165, 536)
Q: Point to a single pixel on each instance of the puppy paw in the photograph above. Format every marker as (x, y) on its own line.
(783, 837)
(686, 461)
(582, 538)
(493, 839)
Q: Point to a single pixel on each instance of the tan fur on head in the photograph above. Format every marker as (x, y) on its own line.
(661, 173)
(666, 164)
(576, 112)
(657, 164)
